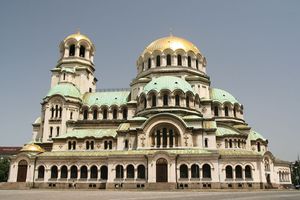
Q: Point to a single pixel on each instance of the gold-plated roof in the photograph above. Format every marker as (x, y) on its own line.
(32, 148)
(78, 36)
(171, 42)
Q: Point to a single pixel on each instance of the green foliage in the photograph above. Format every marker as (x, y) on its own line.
(4, 168)
(296, 173)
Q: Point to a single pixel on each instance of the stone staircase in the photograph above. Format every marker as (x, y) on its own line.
(161, 186)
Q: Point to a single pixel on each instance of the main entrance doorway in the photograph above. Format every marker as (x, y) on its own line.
(22, 171)
(161, 170)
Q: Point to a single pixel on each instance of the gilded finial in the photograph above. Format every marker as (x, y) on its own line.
(171, 32)
(78, 31)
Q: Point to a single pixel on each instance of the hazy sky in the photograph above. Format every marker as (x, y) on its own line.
(252, 49)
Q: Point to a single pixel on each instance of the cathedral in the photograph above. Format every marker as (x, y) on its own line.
(168, 130)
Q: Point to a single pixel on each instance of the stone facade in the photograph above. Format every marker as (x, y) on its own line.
(169, 130)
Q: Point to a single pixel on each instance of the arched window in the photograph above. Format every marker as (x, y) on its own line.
(258, 146)
(168, 60)
(226, 143)
(179, 60)
(56, 111)
(72, 50)
(197, 64)
(177, 100)
(71, 115)
(105, 145)
(92, 145)
(64, 76)
(141, 172)
(228, 171)
(110, 144)
(74, 172)
(230, 143)
(85, 114)
(238, 172)
(64, 172)
(87, 145)
(57, 131)
(41, 172)
(189, 61)
(234, 111)
(74, 145)
(126, 144)
(52, 112)
(226, 111)
(130, 171)
(51, 132)
(145, 102)
(164, 137)
(104, 172)
(115, 113)
(54, 172)
(165, 99)
(206, 170)
(82, 51)
(187, 101)
(206, 142)
(248, 173)
(95, 114)
(216, 111)
(94, 172)
(195, 171)
(69, 145)
(171, 138)
(158, 138)
(153, 100)
(158, 61)
(104, 113)
(83, 172)
(119, 171)
(149, 63)
(183, 171)
(125, 113)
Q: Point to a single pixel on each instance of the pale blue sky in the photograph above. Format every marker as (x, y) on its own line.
(252, 49)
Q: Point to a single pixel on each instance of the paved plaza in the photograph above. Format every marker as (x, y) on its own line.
(144, 195)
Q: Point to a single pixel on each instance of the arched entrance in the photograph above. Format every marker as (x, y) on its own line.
(161, 170)
(22, 171)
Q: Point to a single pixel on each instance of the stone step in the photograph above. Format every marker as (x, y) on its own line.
(13, 186)
(161, 186)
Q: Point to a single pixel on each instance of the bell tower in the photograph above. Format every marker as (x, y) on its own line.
(76, 63)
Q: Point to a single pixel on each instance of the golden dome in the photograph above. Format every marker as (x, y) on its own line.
(78, 36)
(171, 42)
(32, 148)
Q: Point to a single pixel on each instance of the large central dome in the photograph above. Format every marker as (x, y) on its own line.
(171, 42)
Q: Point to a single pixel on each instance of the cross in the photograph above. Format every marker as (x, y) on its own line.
(186, 138)
(170, 29)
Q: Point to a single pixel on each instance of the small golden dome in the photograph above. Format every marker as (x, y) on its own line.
(32, 148)
(78, 36)
(171, 42)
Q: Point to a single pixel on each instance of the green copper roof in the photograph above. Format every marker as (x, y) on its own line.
(66, 90)
(124, 153)
(224, 131)
(222, 96)
(70, 70)
(237, 152)
(83, 133)
(106, 98)
(253, 135)
(169, 83)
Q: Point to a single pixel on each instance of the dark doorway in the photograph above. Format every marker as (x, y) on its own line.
(22, 171)
(161, 170)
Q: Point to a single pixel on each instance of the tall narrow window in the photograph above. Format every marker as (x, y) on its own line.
(189, 61)
(41, 172)
(125, 113)
(126, 144)
(69, 145)
(206, 170)
(119, 171)
(183, 171)
(52, 112)
(60, 112)
(105, 145)
(177, 100)
(226, 111)
(145, 103)
(57, 131)
(229, 173)
(56, 111)
(95, 114)
(197, 64)
(110, 144)
(238, 172)
(158, 61)
(87, 145)
(153, 100)
(165, 138)
(64, 76)
(234, 111)
(92, 145)
(74, 172)
(104, 112)
(258, 147)
(149, 63)
(248, 173)
(187, 101)
(171, 138)
(216, 111)
(85, 114)
(158, 138)
(141, 172)
(71, 115)
(64, 172)
(206, 142)
(168, 60)
(72, 50)
(115, 113)
(195, 171)
(130, 171)
(74, 145)
(179, 60)
(51, 132)
(82, 51)
(166, 100)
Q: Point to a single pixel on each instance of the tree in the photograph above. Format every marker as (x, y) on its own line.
(4, 168)
(296, 173)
